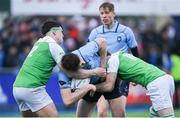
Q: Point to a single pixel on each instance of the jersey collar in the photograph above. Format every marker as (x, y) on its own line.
(47, 39)
(113, 29)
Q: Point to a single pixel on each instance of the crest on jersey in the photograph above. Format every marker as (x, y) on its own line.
(62, 83)
(119, 38)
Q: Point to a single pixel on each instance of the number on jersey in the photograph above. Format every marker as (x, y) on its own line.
(32, 51)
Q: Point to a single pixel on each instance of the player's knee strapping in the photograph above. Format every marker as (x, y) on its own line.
(169, 116)
(153, 113)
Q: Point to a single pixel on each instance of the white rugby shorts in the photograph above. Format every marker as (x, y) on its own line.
(161, 92)
(32, 99)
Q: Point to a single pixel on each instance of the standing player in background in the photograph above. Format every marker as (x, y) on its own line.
(119, 38)
(29, 86)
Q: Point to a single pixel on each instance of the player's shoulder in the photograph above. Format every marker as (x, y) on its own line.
(123, 28)
(98, 29)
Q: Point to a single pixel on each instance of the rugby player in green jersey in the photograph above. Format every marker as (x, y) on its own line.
(29, 86)
(159, 85)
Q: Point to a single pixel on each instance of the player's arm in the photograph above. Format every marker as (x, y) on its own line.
(102, 51)
(70, 97)
(135, 51)
(131, 41)
(112, 69)
(103, 54)
(83, 73)
(108, 85)
(92, 35)
(67, 95)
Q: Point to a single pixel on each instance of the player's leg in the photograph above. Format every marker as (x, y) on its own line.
(118, 97)
(102, 107)
(25, 110)
(118, 106)
(87, 104)
(48, 111)
(161, 96)
(85, 108)
(153, 113)
(167, 113)
(38, 101)
(42, 104)
(29, 113)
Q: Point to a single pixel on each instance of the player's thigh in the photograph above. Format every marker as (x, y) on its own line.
(118, 106)
(119, 102)
(161, 94)
(85, 108)
(20, 95)
(102, 107)
(48, 111)
(102, 104)
(166, 111)
(33, 99)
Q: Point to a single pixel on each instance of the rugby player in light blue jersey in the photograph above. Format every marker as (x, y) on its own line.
(88, 55)
(118, 38)
(91, 56)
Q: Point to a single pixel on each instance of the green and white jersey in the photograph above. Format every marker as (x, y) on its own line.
(38, 66)
(133, 69)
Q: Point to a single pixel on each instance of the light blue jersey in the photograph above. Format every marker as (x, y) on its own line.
(92, 60)
(64, 80)
(118, 38)
(89, 54)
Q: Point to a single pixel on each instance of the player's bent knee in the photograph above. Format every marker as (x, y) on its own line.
(29, 113)
(153, 113)
(102, 113)
(48, 111)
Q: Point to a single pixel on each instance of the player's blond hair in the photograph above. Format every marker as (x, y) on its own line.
(108, 5)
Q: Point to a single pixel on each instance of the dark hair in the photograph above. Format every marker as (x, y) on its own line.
(70, 62)
(48, 25)
(108, 5)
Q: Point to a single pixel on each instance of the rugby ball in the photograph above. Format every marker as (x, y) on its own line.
(79, 83)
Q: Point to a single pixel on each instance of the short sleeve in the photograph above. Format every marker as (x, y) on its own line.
(131, 40)
(56, 51)
(64, 80)
(88, 51)
(113, 63)
(92, 35)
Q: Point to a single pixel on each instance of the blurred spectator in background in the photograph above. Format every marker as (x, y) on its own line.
(23, 54)
(167, 36)
(1, 54)
(151, 45)
(11, 58)
(23, 30)
(175, 58)
(175, 73)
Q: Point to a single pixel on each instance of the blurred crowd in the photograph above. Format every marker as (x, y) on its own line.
(18, 34)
